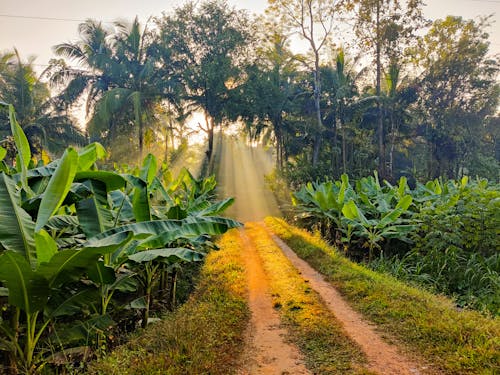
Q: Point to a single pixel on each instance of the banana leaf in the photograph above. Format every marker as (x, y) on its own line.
(89, 155)
(94, 213)
(28, 290)
(170, 254)
(58, 187)
(16, 226)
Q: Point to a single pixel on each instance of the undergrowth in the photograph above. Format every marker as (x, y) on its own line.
(313, 327)
(204, 336)
(455, 341)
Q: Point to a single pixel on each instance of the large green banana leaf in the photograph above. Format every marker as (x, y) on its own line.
(170, 254)
(112, 180)
(122, 207)
(28, 289)
(65, 303)
(148, 170)
(94, 213)
(58, 187)
(89, 155)
(68, 264)
(16, 226)
(141, 206)
(22, 145)
(46, 246)
(188, 227)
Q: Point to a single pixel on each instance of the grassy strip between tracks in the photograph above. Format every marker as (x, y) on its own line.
(455, 342)
(312, 327)
(204, 336)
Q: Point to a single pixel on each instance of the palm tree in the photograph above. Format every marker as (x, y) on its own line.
(46, 125)
(120, 76)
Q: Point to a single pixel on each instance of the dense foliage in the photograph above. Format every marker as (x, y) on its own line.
(450, 340)
(87, 253)
(441, 234)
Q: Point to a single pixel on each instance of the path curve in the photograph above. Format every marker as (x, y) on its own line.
(266, 351)
(383, 358)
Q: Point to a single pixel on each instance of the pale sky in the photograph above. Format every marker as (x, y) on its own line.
(36, 36)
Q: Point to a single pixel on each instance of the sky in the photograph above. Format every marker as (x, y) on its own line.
(34, 26)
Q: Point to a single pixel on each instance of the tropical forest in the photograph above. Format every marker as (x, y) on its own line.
(312, 189)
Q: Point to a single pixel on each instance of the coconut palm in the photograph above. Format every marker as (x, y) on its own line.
(120, 77)
(46, 125)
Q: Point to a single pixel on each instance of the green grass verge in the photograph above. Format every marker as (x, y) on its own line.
(456, 342)
(204, 336)
(313, 328)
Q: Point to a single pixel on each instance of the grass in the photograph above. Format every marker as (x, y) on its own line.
(455, 342)
(313, 328)
(204, 336)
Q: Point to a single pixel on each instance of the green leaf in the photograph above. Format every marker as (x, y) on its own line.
(16, 226)
(148, 171)
(101, 274)
(170, 229)
(138, 303)
(350, 210)
(89, 155)
(140, 198)
(112, 180)
(125, 283)
(121, 204)
(27, 290)
(72, 304)
(46, 247)
(404, 202)
(58, 187)
(3, 153)
(94, 213)
(69, 264)
(23, 148)
(171, 254)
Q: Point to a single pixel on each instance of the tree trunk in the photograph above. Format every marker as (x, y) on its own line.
(380, 123)
(344, 156)
(317, 98)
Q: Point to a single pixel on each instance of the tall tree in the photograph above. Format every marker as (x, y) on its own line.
(46, 125)
(459, 92)
(121, 76)
(313, 20)
(267, 95)
(208, 41)
(385, 28)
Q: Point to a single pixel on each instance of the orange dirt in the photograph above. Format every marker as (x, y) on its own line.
(382, 357)
(241, 175)
(266, 351)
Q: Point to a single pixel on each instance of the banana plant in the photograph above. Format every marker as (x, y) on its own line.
(31, 267)
(325, 202)
(375, 231)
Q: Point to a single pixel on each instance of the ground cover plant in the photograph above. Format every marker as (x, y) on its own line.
(87, 253)
(204, 336)
(327, 348)
(459, 342)
(443, 234)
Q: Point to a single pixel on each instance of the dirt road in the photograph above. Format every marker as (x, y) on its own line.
(241, 175)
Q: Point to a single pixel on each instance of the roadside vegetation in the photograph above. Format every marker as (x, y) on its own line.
(204, 336)
(443, 235)
(87, 255)
(313, 328)
(456, 341)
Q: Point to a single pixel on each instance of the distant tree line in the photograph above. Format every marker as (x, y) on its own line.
(396, 93)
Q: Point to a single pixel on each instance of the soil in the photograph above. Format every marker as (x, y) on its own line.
(241, 175)
(383, 358)
(266, 351)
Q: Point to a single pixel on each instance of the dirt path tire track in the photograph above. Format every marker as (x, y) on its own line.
(383, 358)
(266, 351)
